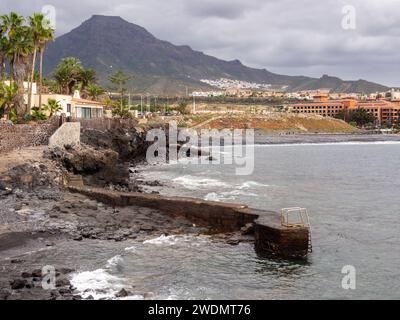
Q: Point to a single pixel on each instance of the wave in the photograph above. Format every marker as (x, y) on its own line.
(229, 195)
(114, 261)
(251, 184)
(193, 182)
(99, 284)
(213, 196)
(173, 240)
(130, 249)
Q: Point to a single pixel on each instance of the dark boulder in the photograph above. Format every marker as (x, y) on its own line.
(18, 284)
(122, 293)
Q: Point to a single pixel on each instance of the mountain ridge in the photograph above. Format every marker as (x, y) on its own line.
(110, 43)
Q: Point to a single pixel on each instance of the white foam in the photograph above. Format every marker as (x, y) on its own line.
(98, 283)
(193, 182)
(251, 184)
(130, 249)
(229, 195)
(162, 240)
(213, 196)
(173, 240)
(114, 261)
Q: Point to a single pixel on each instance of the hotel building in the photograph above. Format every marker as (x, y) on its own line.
(383, 111)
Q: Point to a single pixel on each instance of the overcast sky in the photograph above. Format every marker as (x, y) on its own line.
(284, 36)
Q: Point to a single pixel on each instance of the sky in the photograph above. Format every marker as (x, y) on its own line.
(354, 39)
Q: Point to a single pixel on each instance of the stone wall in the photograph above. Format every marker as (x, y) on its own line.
(68, 134)
(103, 124)
(222, 217)
(26, 135)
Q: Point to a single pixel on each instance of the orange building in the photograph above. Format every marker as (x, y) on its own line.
(326, 108)
(383, 111)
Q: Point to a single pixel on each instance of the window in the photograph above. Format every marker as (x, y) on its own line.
(84, 113)
(97, 113)
(69, 107)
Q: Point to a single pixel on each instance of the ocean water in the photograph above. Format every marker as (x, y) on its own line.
(352, 193)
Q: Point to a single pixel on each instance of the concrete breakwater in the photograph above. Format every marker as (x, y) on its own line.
(271, 237)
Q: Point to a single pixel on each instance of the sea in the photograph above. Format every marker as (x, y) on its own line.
(351, 190)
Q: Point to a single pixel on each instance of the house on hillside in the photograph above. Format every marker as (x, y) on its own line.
(74, 106)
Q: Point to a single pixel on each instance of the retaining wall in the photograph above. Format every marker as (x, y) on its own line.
(26, 135)
(271, 238)
(68, 134)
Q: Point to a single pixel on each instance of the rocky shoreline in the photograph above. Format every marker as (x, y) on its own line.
(39, 216)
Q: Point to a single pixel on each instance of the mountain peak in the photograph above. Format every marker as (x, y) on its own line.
(104, 19)
(102, 16)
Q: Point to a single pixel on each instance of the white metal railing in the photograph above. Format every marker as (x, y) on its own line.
(295, 217)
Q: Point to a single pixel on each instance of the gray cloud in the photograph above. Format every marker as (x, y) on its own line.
(283, 36)
(225, 9)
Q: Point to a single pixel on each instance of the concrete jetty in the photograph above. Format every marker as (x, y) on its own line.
(272, 238)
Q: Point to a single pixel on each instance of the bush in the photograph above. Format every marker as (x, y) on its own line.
(353, 123)
(28, 117)
(183, 108)
(13, 115)
(38, 115)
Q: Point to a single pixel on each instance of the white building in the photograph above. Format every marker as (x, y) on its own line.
(395, 95)
(208, 93)
(74, 106)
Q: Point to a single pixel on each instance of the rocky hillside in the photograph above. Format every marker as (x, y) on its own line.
(109, 43)
(276, 122)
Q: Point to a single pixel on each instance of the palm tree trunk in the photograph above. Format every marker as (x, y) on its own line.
(30, 84)
(2, 66)
(18, 75)
(40, 76)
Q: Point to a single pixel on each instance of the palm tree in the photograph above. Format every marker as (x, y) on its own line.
(7, 95)
(37, 23)
(67, 74)
(17, 47)
(46, 37)
(94, 91)
(87, 77)
(3, 48)
(11, 23)
(120, 79)
(52, 106)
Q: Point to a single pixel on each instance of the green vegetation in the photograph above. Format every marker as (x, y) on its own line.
(358, 117)
(70, 75)
(94, 91)
(41, 34)
(52, 106)
(35, 115)
(20, 41)
(120, 108)
(7, 95)
(183, 108)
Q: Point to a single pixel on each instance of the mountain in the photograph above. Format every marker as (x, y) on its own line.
(108, 43)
